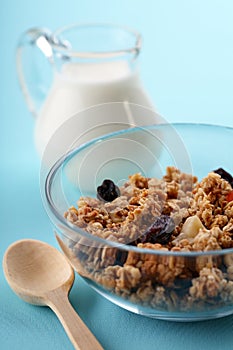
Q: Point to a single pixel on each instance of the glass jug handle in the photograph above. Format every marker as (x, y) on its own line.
(32, 77)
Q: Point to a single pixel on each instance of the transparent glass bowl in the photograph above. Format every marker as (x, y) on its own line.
(182, 286)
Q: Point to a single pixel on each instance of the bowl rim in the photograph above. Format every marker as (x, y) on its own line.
(101, 242)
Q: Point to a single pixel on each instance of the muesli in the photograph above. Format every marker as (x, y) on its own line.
(175, 213)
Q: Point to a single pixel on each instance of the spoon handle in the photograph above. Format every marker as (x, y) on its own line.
(77, 331)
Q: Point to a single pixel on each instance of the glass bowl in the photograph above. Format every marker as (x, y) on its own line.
(149, 276)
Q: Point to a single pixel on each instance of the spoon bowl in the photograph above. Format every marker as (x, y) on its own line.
(41, 275)
(34, 268)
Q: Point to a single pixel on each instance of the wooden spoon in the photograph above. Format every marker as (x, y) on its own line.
(39, 274)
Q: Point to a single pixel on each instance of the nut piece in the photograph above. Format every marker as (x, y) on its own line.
(192, 226)
(190, 229)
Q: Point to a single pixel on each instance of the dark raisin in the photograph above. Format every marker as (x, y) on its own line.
(160, 231)
(225, 175)
(121, 257)
(183, 285)
(108, 191)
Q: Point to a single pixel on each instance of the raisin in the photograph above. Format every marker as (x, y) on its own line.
(108, 191)
(225, 175)
(121, 257)
(160, 231)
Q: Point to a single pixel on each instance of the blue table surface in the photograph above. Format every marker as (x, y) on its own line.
(186, 66)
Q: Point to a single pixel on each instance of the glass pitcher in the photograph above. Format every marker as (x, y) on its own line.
(87, 65)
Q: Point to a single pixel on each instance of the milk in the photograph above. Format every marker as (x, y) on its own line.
(79, 86)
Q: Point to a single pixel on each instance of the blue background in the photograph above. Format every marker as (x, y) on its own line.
(187, 68)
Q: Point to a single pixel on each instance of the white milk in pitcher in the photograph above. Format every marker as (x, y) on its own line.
(79, 86)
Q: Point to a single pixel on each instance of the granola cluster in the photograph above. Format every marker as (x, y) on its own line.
(143, 270)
